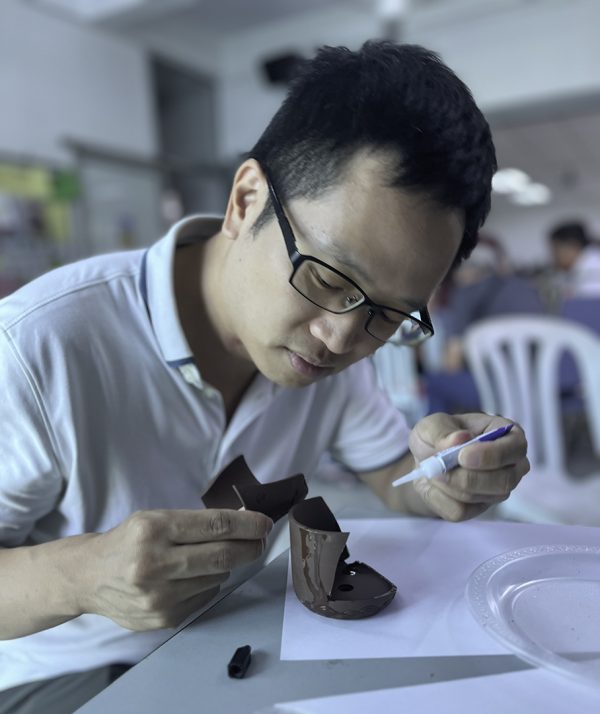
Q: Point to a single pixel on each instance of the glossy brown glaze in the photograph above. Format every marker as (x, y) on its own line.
(323, 581)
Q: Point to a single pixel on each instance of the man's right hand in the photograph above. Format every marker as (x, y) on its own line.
(158, 567)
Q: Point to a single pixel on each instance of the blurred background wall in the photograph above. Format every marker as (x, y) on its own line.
(142, 107)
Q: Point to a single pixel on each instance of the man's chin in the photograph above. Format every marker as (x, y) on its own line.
(289, 380)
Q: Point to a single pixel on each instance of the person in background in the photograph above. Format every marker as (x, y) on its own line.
(129, 381)
(577, 259)
(484, 287)
(575, 284)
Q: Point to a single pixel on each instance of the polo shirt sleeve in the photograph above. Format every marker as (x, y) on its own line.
(30, 479)
(371, 432)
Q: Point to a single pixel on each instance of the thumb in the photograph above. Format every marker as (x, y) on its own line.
(453, 439)
(435, 433)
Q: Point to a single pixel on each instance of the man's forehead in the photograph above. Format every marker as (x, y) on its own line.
(368, 276)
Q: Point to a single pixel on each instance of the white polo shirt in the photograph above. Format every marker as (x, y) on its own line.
(584, 281)
(103, 412)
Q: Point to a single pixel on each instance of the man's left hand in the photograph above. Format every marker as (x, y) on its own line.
(487, 472)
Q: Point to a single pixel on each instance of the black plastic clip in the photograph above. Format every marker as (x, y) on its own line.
(239, 663)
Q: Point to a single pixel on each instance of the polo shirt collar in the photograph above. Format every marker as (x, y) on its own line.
(158, 289)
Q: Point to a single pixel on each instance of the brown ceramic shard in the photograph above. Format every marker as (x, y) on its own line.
(237, 486)
(323, 581)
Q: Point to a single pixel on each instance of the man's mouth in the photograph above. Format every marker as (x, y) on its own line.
(309, 366)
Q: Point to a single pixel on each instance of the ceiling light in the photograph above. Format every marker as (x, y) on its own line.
(391, 9)
(534, 194)
(509, 180)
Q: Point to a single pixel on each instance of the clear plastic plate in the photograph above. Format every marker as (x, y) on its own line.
(543, 603)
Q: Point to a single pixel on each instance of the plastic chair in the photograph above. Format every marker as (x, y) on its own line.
(516, 365)
(396, 370)
(584, 311)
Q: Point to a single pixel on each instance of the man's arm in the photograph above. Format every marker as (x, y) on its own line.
(151, 571)
(403, 499)
(487, 471)
(38, 586)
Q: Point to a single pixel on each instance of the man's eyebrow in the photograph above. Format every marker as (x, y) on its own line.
(341, 257)
(336, 252)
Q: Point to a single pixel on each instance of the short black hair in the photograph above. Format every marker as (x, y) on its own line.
(401, 99)
(572, 232)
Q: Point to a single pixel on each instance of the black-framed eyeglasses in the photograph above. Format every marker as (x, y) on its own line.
(328, 288)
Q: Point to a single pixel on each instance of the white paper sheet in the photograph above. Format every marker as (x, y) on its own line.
(430, 561)
(515, 692)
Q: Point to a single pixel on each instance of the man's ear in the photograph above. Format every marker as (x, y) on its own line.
(247, 198)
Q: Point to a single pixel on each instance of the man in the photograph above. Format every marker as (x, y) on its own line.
(131, 380)
(577, 259)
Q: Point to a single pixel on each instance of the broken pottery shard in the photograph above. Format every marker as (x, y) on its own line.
(237, 486)
(323, 581)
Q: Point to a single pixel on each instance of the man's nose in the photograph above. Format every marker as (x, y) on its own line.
(339, 332)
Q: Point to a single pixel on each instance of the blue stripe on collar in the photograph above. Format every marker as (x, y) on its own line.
(144, 284)
(181, 362)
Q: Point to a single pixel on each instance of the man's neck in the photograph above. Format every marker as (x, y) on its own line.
(202, 323)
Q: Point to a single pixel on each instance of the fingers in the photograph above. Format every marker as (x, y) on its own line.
(183, 591)
(470, 485)
(212, 558)
(191, 605)
(174, 544)
(158, 566)
(169, 608)
(444, 505)
(436, 432)
(493, 455)
(440, 431)
(466, 493)
(216, 524)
